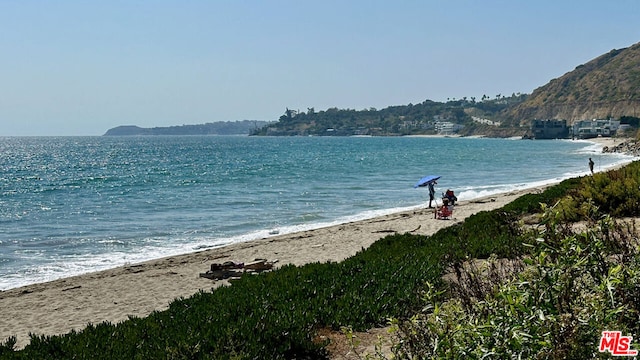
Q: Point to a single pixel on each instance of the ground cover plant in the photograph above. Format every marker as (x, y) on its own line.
(616, 192)
(276, 315)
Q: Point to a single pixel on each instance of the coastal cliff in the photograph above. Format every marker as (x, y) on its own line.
(605, 87)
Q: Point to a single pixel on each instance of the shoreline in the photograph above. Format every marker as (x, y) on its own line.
(251, 235)
(59, 306)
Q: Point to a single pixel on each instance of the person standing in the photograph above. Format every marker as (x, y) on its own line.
(591, 163)
(432, 192)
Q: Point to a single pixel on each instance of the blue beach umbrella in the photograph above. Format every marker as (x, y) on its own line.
(426, 180)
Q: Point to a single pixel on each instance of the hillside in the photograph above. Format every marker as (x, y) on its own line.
(464, 116)
(607, 86)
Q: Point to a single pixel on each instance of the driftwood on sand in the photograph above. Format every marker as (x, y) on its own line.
(232, 269)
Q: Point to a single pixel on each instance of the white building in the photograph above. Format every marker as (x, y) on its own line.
(447, 128)
(588, 129)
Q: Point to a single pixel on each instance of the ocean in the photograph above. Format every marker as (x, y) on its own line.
(72, 205)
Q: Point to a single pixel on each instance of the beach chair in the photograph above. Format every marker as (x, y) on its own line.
(451, 196)
(443, 213)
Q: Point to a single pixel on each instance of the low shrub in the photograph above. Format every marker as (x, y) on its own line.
(531, 203)
(572, 288)
(479, 236)
(615, 192)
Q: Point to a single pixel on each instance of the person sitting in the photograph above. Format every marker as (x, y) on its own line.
(451, 197)
(445, 211)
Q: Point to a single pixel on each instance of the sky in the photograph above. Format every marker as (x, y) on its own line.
(76, 68)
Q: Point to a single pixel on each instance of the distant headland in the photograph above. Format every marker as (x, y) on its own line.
(244, 127)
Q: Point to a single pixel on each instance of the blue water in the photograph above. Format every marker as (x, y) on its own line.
(71, 205)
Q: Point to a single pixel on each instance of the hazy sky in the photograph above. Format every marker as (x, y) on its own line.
(82, 67)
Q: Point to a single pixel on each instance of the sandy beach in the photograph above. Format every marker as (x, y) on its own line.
(138, 289)
(59, 306)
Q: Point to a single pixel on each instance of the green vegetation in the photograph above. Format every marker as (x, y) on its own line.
(572, 287)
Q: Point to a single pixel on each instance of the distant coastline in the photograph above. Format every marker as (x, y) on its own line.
(244, 127)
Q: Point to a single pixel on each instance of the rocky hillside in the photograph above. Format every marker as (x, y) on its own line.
(607, 86)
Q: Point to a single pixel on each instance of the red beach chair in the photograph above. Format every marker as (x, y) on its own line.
(444, 212)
